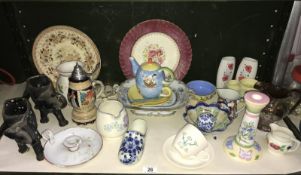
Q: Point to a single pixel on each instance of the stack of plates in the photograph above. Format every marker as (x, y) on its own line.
(179, 98)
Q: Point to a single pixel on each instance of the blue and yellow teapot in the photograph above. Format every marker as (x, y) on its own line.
(151, 78)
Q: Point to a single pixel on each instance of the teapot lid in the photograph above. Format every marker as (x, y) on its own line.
(78, 74)
(150, 65)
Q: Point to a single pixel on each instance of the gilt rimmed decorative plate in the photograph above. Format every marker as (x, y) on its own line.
(58, 44)
(160, 40)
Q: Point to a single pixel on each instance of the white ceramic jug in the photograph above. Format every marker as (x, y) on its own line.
(281, 140)
(112, 119)
(65, 69)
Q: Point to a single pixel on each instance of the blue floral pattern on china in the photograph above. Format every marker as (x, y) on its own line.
(246, 133)
(206, 122)
(229, 143)
(208, 117)
(131, 148)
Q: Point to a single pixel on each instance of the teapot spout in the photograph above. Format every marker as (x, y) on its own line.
(135, 65)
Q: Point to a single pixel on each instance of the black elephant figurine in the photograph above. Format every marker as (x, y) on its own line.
(20, 124)
(46, 99)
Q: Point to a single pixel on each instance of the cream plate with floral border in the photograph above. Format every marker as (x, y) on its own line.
(58, 44)
(157, 46)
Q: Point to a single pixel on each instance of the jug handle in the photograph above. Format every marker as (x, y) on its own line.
(295, 146)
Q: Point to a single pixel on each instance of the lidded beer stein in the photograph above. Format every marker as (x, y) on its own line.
(81, 96)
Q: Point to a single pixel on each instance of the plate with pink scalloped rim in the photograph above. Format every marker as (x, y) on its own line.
(160, 40)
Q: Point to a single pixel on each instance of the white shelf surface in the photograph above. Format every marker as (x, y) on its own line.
(159, 129)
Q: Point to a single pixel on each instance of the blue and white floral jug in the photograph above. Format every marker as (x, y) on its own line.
(112, 119)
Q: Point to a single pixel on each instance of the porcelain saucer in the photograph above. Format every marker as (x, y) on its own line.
(57, 154)
(137, 99)
(175, 158)
(179, 97)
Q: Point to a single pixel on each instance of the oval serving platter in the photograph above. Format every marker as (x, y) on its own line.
(179, 99)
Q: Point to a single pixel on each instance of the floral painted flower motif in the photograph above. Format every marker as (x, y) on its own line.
(230, 66)
(206, 122)
(248, 68)
(225, 77)
(187, 142)
(229, 144)
(126, 121)
(247, 132)
(281, 148)
(257, 147)
(131, 147)
(246, 155)
(155, 53)
(276, 147)
(241, 77)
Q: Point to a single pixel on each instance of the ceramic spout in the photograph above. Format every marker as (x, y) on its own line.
(135, 65)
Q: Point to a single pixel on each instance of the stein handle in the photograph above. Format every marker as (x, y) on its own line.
(101, 85)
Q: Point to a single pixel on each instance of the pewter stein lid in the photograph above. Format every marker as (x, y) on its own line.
(78, 74)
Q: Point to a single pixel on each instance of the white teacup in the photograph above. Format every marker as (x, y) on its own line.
(190, 142)
(72, 142)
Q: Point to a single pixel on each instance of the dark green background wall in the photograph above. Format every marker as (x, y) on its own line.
(215, 29)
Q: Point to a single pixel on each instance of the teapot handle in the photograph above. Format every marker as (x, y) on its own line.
(168, 75)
